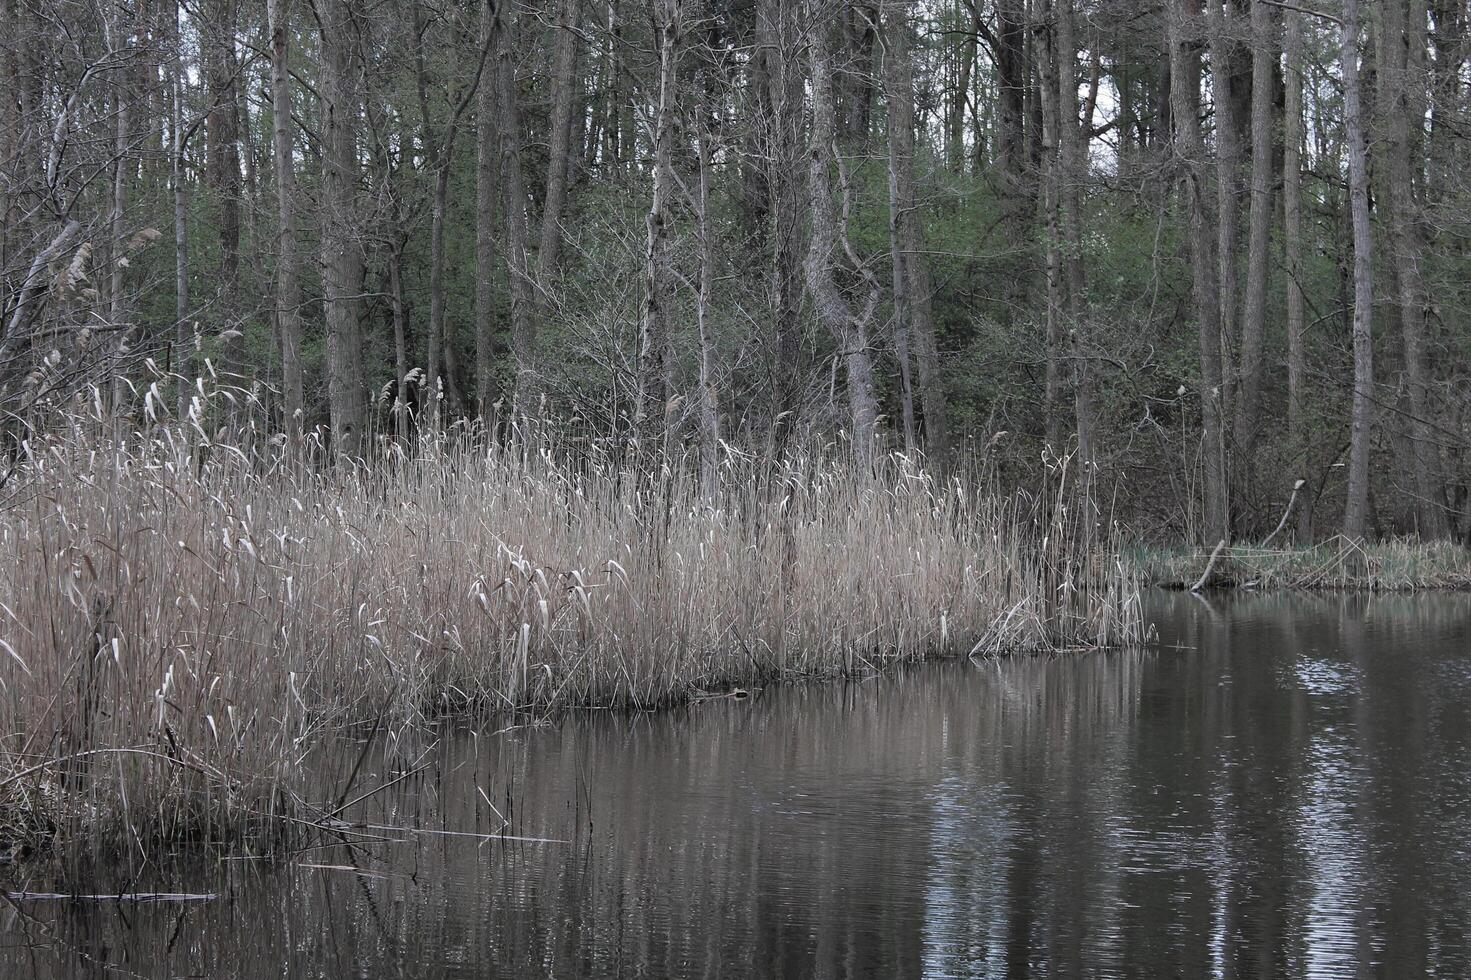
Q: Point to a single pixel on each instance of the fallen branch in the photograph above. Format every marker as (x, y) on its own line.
(1210, 566)
(1291, 502)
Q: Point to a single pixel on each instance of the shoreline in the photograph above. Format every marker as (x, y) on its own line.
(1337, 564)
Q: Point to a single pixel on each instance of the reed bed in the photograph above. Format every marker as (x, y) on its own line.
(184, 618)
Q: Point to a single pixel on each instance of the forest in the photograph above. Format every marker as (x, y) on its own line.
(1203, 252)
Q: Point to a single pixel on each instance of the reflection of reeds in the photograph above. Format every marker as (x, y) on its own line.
(202, 610)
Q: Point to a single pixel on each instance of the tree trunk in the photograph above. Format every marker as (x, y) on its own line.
(1073, 163)
(400, 340)
(122, 150)
(342, 256)
(1185, 111)
(1398, 106)
(518, 270)
(1356, 506)
(709, 393)
(655, 361)
(1297, 434)
(1047, 109)
(487, 187)
(777, 37)
(912, 308)
(178, 180)
(1253, 323)
(849, 331)
(1228, 217)
(441, 380)
(222, 138)
(955, 124)
(564, 71)
(288, 286)
(1011, 82)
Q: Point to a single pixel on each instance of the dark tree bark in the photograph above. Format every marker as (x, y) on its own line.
(564, 71)
(518, 268)
(1254, 314)
(1292, 241)
(1185, 111)
(912, 311)
(222, 133)
(1073, 166)
(777, 37)
(487, 193)
(850, 331)
(1228, 212)
(288, 284)
(1361, 422)
(655, 354)
(342, 254)
(1398, 78)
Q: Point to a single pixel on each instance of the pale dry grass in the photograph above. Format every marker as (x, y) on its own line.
(182, 618)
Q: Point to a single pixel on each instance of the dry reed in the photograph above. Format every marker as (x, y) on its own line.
(184, 617)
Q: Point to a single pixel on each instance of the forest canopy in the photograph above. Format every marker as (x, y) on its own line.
(1206, 251)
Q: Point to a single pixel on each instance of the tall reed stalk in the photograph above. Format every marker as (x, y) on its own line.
(183, 617)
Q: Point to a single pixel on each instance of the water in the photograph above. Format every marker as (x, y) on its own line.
(1283, 788)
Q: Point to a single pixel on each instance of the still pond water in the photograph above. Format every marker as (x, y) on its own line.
(1281, 788)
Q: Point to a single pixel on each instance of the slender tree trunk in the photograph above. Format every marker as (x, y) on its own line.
(911, 269)
(656, 364)
(833, 310)
(400, 340)
(487, 189)
(222, 157)
(1072, 160)
(1253, 323)
(1297, 434)
(441, 379)
(776, 33)
(178, 180)
(564, 71)
(1356, 506)
(342, 256)
(117, 234)
(1011, 82)
(709, 393)
(955, 124)
(1398, 106)
(1047, 110)
(518, 270)
(288, 285)
(1228, 213)
(1185, 111)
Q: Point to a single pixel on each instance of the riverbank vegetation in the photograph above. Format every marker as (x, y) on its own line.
(183, 618)
(1217, 249)
(1393, 565)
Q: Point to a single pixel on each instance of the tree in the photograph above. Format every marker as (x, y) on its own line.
(1254, 313)
(848, 329)
(288, 285)
(912, 313)
(342, 253)
(1356, 505)
(1184, 111)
